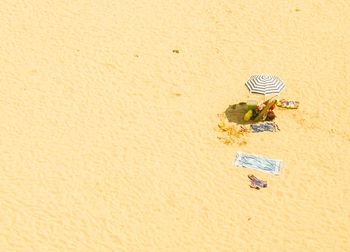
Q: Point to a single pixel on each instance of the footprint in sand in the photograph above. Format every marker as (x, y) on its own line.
(306, 124)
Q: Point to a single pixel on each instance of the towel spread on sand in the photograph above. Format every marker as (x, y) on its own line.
(288, 104)
(266, 126)
(256, 162)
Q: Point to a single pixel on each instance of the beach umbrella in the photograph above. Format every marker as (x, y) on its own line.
(265, 84)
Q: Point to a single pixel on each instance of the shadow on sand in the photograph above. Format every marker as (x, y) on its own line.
(235, 113)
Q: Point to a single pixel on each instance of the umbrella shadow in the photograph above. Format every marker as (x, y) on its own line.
(235, 113)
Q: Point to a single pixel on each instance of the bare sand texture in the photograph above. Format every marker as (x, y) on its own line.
(107, 140)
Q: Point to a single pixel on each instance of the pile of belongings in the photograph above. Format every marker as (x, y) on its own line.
(262, 112)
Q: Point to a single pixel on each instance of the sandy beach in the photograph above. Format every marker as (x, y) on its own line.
(108, 137)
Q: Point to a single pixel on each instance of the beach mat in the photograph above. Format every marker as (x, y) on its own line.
(257, 162)
(288, 104)
(266, 126)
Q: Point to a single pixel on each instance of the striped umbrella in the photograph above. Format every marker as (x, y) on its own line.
(265, 84)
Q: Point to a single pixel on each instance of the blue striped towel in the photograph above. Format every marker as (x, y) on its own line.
(256, 162)
(266, 126)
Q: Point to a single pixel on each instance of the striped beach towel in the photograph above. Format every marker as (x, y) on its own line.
(266, 126)
(257, 162)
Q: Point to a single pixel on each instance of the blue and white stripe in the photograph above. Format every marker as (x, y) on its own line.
(265, 84)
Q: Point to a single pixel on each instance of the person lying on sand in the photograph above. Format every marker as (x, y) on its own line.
(256, 183)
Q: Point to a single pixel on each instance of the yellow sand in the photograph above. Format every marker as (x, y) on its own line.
(107, 136)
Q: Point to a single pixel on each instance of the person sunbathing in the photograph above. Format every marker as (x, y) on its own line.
(268, 106)
(262, 112)
(256, 183)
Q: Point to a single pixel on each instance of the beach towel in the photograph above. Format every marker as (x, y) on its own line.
(257, 162)
(261, 127)
(288, 104)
